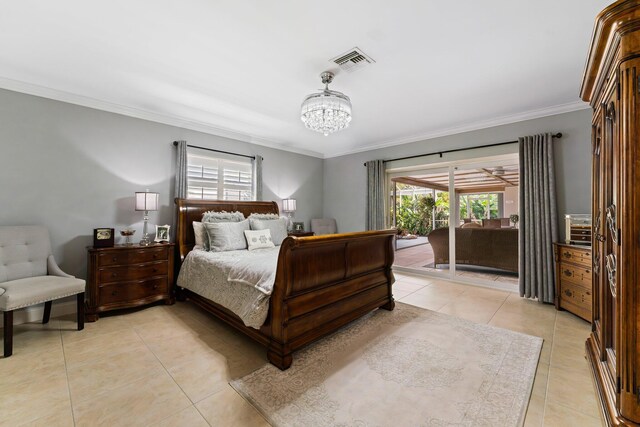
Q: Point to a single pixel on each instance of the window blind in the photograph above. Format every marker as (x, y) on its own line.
(216, 178)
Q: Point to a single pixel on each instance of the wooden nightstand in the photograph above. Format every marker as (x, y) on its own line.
(301, 233)
(128, 276)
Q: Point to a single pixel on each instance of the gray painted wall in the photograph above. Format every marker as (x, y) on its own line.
(345, 176)
(73, 169)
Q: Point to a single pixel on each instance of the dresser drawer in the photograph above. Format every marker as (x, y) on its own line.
(574, 274)
(138, 256)
(581, 237)
(576, 256)
(575, 294)
(576, 299)
(132, 272)
(132, 291)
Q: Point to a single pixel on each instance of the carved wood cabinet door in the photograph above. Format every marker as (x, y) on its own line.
(627, 248)
(598, 224)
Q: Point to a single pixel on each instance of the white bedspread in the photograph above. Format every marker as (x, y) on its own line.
(240, 281)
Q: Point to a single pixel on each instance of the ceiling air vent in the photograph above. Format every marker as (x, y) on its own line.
(353, 60)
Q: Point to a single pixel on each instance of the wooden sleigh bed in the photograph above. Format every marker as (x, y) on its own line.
(321, 282)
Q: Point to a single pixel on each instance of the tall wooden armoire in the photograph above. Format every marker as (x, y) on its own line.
(611, 85)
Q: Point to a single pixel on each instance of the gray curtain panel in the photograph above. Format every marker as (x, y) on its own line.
(257, 177)
(181, 170)
(375, 194)
(538, 217)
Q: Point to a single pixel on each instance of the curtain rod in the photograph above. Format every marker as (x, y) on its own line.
(555, 135)
(175, 143)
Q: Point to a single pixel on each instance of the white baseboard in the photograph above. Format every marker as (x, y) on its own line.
(34, 313)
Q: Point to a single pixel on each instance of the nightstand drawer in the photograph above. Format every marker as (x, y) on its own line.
(577, 256)
(132, 272)
(135, 256)
(132, 291)
(578, 275)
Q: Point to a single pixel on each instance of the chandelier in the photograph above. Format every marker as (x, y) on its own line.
(327, 111)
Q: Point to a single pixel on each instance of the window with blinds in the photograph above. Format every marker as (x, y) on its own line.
(216, 178)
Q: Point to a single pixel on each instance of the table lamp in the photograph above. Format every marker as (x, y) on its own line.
(289, 206)
(146, 201)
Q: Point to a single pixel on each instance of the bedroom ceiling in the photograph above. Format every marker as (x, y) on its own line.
(242, 68)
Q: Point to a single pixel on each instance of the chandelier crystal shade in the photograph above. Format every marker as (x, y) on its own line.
(328, 111)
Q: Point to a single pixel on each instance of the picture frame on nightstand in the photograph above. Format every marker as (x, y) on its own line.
(162, 234)
(297, 227)
(103, 237)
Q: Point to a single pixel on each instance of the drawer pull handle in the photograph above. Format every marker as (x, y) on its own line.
(155, 255)
(155, 286)
(568, 293)
(155, 270)
(114, 274)
(115, 259)
(568, 273)
(114, 293)
(567, 254)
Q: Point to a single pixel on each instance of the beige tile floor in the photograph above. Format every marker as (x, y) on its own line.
(170, 365)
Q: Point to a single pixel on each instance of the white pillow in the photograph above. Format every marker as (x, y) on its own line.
(222, 216)
(226, 236)
(277, 227)
(258, 239)
(200, 233)
(264, 216)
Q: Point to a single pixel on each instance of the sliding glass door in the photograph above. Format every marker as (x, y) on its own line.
(458, 221)
(486, 240)
(420, 211)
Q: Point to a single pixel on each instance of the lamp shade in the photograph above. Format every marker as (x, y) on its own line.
(146, 201)
(288, 205)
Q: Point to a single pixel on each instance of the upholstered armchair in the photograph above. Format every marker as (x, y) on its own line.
(29, 275)
(324, 226)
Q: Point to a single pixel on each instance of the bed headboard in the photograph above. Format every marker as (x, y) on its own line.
(191, 210)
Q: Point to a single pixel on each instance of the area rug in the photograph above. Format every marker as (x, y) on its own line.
(408, 367)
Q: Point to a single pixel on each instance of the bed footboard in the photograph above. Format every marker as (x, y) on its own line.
(325, 282)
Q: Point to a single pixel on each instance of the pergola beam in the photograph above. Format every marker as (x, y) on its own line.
(472, 190)
(420, 183)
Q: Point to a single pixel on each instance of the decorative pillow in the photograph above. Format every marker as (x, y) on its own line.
(471, 225)
(199, 233)
(221, 216)
(277, 227)
(264, 216)
(226, 236)
(258, 239)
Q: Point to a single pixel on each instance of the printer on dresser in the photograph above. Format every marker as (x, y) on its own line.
(128, 276)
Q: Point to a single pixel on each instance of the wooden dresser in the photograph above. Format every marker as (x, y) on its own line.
(573, 279)
(128, 276)
(611, 85)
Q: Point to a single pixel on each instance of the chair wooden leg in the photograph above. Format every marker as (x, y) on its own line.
(47, 312)
(80, 299)
(8, 333)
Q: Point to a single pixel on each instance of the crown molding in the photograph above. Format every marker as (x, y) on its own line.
(483, 124)
(181, 122)
(177, 121)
